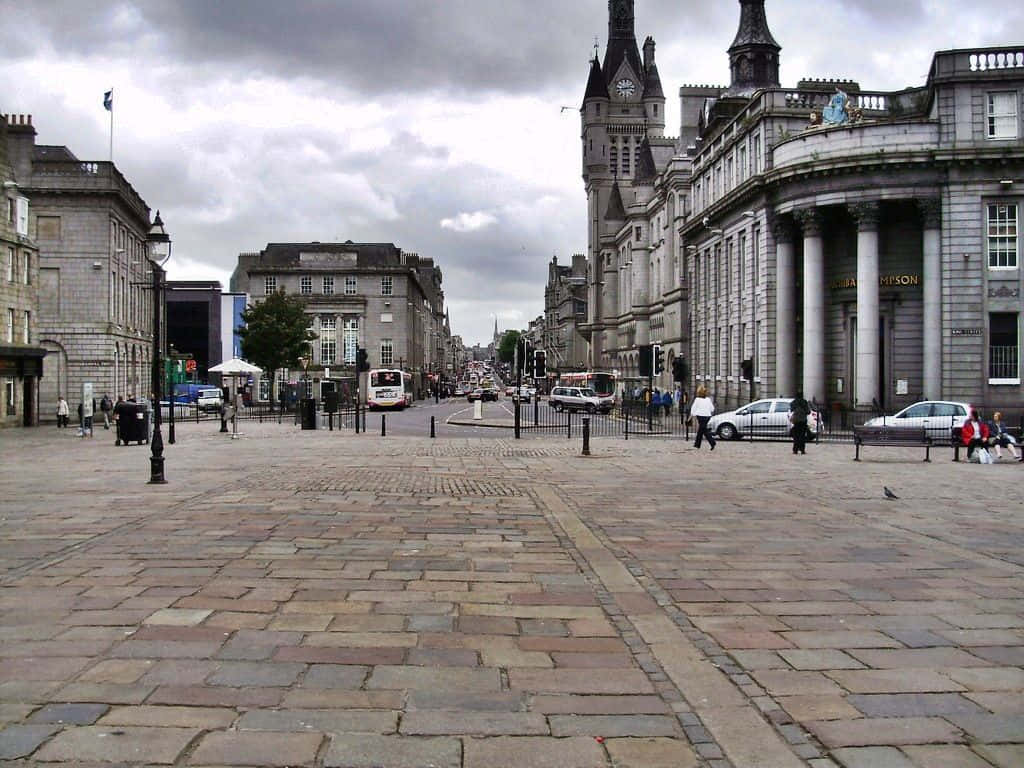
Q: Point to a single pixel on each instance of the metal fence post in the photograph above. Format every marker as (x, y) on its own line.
(625, 419)
(586, 435)
(432, 431)
(383, 425)
(516, 417)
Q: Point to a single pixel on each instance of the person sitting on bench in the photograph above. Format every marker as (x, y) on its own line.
(974, 433)
(1001, 438)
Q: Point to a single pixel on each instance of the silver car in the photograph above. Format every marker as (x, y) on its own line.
(579, 399)
(768, 417)
(938, 417)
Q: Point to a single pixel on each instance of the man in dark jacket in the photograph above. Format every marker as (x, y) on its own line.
(799, 411)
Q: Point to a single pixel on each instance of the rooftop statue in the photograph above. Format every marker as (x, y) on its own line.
(836, 112)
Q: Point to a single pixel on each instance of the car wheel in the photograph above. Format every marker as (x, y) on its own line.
(591, 408)
(728, 432)
(557, 406)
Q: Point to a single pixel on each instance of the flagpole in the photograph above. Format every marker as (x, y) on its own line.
(111, 124)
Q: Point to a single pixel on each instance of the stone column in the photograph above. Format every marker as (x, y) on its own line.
(641, 275)
(866, 215)
(814, 305)
(931, 212)
(785, 309)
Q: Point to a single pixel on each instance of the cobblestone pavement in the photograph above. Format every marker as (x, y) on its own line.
(312, 599)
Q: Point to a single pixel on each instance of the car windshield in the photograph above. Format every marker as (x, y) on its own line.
(588, 392)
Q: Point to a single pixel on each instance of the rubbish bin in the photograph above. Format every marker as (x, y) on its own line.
(132, 424)
(308, 408)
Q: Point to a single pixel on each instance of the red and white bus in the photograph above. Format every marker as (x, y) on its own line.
(388, 388)
(602, 383)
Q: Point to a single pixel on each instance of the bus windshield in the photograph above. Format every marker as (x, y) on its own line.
(386, 379)
(603, 384)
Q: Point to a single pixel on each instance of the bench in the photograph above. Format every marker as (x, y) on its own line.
(957, 440)
(903, 437)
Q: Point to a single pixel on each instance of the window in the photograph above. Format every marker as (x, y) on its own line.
(350, 338)
(26, 268)
(28, 325)
(760, 407)
(10, 326)
(328, 285)
(306, 285)
(614, 157)
(1003, 348)
(11, 207)
(350, 285)
(387, 286)
(10, 265)
(756, 159)
(270, 285)
(21, 222)
(1002, 236)
(757, 257)
(625, 157)
(264, 394)
(9, 397)
(328, 339)
(742, 255)
(637, 233)
(387, 353)
(1002, 115)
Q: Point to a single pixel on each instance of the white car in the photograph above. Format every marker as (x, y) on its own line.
(579, 399)
(210, 399)
(768, 417)
(938, 417)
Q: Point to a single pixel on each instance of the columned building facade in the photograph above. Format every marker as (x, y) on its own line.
(859, 246)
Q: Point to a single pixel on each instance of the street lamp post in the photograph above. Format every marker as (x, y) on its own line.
(170, 425)
(159, 252)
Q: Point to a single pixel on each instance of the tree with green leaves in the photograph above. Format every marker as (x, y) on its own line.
(507, 346)
(276, 333)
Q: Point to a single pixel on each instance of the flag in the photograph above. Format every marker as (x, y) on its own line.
(108, 100)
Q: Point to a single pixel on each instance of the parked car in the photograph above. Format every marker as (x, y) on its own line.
(490, 393)
(579, 399)
(938, 417)
(769, 417)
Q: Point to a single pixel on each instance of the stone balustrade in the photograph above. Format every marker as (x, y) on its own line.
(855, 140)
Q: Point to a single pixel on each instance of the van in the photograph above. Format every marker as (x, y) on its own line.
(209, 399)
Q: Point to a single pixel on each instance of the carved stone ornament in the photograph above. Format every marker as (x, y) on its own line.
(931, 212)
(866, 215)
(1003, 292)
(815, 118)
(782, 229)
(810, 221)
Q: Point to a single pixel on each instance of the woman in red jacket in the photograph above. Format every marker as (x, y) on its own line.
(975, 433)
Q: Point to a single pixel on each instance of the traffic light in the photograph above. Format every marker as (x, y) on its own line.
(747, 369)
(645, 363)
(527, 363)
(539, 364)
(659, 359)
(362, 360)
(680, 370)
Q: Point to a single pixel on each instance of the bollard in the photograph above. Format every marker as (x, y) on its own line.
(586, 435)
(383, 425)
(626, 414)
(432, 432)
(330, 422)
(568, 425)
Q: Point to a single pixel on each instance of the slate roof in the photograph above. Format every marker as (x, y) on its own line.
(652, 85)
(596, 87)
(616, 211)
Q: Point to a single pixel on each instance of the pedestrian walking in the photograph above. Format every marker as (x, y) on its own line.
(106, 406)
(63, 412)
(702, 409)
(1001, 438)
(666, 402)
(799, 412)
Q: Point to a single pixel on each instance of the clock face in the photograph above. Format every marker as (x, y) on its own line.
(625, 88)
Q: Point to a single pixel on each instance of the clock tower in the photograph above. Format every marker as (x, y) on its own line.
(623, 106)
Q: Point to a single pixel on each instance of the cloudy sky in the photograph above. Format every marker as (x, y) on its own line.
(433, 124)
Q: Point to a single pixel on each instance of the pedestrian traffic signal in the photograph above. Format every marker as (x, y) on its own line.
(659, 359)
(645, 363)
(362, 360)
(680, 370)
(527, 363)
(747, 369)
(539, 364)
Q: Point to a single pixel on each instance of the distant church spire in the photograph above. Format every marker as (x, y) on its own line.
(754, 54)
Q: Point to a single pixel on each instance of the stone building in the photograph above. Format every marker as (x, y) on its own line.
(371, 295)
(95, 306)
(565, 307)
(859, 245)
(21, 358)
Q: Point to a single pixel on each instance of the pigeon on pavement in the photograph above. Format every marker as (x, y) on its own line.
(889, 494)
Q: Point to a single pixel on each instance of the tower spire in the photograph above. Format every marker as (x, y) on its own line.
(754, 54)
(621, 39)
